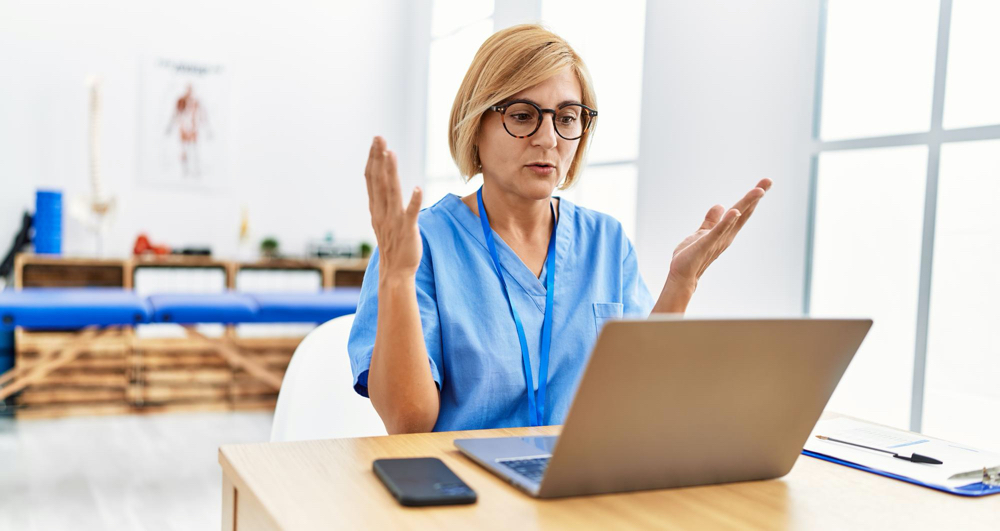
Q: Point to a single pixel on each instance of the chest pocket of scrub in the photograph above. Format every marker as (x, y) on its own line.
(606, 311)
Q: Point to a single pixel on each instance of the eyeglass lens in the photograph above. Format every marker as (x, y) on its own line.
(522, 119)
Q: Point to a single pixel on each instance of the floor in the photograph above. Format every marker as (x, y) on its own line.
(156, 472)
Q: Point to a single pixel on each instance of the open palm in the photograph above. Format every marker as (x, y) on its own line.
(395, 225)
(693, 256)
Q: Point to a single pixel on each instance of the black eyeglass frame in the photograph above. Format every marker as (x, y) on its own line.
(587, 111)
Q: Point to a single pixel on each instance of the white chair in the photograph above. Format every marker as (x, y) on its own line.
(317, 398)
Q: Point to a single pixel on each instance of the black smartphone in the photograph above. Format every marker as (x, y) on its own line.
(421, 481)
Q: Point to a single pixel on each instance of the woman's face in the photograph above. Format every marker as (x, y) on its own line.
(516, 165)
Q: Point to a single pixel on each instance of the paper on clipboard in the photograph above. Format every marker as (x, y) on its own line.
(956, 458)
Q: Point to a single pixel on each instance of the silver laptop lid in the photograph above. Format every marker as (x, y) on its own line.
(671, 402)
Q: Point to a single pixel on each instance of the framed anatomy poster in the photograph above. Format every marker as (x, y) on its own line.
(183, 123)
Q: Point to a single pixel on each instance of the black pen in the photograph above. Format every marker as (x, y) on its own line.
(916, 458)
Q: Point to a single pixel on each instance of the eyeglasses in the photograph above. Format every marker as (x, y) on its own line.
(522, 118)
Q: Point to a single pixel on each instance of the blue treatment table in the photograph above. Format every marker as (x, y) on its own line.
(90, 309)
(71, 308)
(306, 307)
(225, 308)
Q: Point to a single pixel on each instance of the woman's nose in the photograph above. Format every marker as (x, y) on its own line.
(546, 136)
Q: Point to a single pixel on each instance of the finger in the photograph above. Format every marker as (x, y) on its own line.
(709, 241)
(714, 242)
(413, 208)
(747, 212)
(378, 179)
(371, 154)
(712, 217)
(368, 178)
(730, 235)
(395, 197)
(748, 203)
(765, 185)
(719, 232)
(752, 196)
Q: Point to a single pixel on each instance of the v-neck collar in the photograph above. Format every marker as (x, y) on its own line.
(509, 260)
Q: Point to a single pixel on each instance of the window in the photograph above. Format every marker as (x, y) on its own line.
(614, 57)
(963, 353)
(906, 166)
(458, 28)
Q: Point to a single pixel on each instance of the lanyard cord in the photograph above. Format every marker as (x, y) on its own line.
(536, 405)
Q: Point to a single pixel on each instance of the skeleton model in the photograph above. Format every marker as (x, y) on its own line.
(94, 212)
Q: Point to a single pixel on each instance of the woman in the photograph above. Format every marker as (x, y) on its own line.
(480, 312)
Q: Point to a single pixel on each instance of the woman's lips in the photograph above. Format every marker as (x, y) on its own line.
(541, 170)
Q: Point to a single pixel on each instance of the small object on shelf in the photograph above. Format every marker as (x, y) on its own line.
(269, 248)
(193, 251)
(329, 248)
(143, 246)
(48, 222)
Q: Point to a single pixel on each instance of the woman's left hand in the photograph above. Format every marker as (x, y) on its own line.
(693, 256)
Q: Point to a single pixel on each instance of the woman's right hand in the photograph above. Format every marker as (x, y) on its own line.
(395, 226)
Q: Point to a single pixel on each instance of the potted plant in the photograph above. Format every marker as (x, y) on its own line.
(269, 248)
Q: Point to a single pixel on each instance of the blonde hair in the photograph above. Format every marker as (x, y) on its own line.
(512, 60)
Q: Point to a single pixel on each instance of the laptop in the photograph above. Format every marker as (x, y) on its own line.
(672, 402)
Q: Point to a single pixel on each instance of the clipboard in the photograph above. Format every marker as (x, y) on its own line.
(972, 490)
(928, 476)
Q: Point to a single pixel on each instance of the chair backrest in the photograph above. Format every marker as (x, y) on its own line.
(317, 398)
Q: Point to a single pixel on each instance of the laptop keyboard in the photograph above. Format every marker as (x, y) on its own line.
(532, 468)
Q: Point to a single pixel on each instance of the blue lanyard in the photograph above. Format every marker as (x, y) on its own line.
(536, 405)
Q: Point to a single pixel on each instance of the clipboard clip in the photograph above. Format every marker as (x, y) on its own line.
(990, 476)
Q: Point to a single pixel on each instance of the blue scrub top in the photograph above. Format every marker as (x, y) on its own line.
(472, 343)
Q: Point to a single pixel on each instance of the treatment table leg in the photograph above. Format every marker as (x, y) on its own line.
(21, 377)
(237, 360)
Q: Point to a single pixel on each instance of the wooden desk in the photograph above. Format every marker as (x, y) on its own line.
(330, 485)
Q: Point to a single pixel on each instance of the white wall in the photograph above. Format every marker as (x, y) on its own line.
(310, 84)
(728, 100)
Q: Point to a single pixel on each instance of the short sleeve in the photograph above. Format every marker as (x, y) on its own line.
(362, 339)
(636, 299)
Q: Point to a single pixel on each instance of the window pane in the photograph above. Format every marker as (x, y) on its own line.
(450, 58)
(878, 74)
(448, 16)
(608, 189)
(613, 55)
(866, 263)
(963, 353)
(971, 98)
